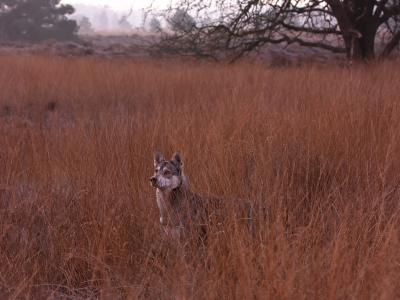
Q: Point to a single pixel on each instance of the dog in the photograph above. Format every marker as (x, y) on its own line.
(180, 208)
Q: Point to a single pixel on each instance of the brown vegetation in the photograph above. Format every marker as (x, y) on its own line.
(318, 146)
(137, 47)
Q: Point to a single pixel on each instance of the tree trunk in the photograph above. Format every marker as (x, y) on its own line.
(390, 46)
(362, 49)
(358, 25)
(369, 40)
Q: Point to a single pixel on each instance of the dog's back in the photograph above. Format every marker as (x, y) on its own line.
(196, 213)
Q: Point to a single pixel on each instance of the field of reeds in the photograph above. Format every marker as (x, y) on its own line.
(318, 146)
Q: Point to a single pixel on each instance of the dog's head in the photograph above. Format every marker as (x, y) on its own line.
(168, 174)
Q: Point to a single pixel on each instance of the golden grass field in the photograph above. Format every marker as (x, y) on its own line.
(318, 146)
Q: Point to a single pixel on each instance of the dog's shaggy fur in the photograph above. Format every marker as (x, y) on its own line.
(180, 207)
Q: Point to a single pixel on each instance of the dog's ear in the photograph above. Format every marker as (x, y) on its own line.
(157, 157)
(177, 160)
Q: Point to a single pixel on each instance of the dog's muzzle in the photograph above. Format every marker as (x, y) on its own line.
(153, 181)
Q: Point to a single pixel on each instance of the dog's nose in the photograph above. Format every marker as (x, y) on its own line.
(153, 180)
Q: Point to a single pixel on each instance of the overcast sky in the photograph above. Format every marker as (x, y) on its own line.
(118, 4)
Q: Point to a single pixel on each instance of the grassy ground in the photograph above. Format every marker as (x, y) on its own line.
(318, 146)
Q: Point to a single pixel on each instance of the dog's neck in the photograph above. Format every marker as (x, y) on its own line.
(170, 195)
(172, 201)
(176, 194)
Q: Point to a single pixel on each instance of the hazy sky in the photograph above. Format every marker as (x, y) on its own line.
(117, 4)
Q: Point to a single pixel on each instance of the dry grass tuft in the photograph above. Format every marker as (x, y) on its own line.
(318, 146)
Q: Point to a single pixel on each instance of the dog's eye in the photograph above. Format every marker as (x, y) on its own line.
(166, 172)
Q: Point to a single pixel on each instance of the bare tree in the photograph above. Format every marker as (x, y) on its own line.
(236, 27)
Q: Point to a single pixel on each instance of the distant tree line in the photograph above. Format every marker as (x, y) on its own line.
(85, 26)
(36, 20)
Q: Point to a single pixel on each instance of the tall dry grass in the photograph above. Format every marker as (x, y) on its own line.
(318, 146)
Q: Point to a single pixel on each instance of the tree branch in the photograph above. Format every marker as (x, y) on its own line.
(390, 46)
(252, 45)
(379, 10)
(315, 44)
(310, 30)
(388, 13)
